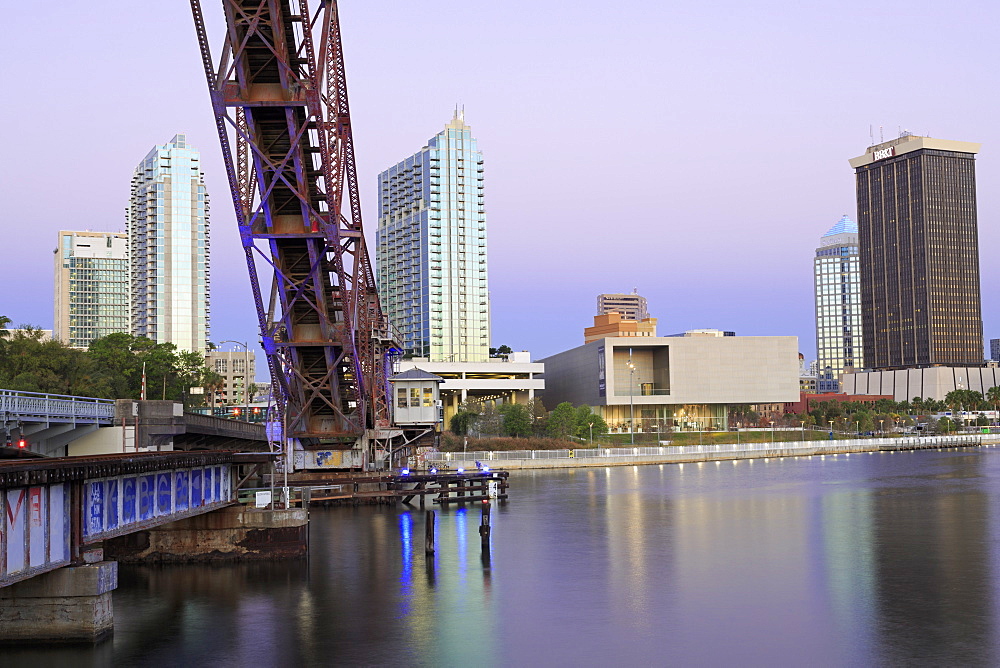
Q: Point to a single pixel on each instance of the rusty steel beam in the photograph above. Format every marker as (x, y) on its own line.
(284, 124)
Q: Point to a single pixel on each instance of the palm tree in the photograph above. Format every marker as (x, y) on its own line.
(993, 396)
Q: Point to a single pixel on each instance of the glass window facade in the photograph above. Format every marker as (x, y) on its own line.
(91, 286)
(837, 282)
(168, 233)
(918, 235)
(431, 248)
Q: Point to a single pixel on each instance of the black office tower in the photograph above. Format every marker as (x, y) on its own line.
(919, 252)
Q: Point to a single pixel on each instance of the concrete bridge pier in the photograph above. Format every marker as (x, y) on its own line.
(68, 605)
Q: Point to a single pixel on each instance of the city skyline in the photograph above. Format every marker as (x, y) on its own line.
(669, 225)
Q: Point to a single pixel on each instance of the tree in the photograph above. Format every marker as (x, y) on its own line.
(589, 423)
(516, 420)
(462, 421)
(562, 421)
(993, 396)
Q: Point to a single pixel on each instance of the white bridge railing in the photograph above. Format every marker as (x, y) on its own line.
(37, 407)
(710, 451)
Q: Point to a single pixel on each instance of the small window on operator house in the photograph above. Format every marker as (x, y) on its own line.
(414, 397)
(401, 398)
(428, 397)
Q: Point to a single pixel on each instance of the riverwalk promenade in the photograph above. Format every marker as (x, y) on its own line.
(672, 454)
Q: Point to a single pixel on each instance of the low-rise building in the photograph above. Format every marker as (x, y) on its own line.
(808, 401)
(511, 379)
(673, 383)
(614, 324)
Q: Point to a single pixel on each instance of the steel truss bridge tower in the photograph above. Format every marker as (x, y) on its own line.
(279, 94)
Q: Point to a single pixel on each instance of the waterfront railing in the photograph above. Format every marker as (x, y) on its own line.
(712, 451)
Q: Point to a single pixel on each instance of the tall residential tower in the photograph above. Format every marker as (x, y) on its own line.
(432, 248)
(919, 253)
(169, 245)
(91, 286)
(837, 279)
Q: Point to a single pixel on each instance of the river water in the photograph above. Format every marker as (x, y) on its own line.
(866, 559)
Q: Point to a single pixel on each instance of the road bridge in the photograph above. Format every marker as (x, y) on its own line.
(53, 425)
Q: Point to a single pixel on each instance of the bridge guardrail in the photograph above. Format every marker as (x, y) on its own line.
(56, 407)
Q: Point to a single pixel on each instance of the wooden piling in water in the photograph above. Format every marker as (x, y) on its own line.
(429, 540)
(484, 525)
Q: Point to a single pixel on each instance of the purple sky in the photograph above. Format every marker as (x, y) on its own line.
(696, 151)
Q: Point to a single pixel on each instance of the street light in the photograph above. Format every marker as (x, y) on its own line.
(772, 431)
(803, 427)
(881, 431)
(631, 403)
(831, 430)
(246, 375)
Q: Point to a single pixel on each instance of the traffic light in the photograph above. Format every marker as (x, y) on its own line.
(236, 411)
(22, 443)
(256, 410)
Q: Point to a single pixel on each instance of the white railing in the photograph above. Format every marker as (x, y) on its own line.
(34, 406)
(697, 451)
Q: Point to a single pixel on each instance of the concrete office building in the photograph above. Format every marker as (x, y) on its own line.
(837, 282)
(91, 286)
(631, 306)
(431, 248)
(673, 383)
(237, 370)
(926, 383)
(919, 253)
(168, 236)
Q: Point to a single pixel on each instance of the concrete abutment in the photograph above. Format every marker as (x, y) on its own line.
(68, 605)
(229, 534)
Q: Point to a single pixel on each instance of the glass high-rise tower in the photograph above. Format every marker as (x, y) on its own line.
(431, 248)
(919, 245)
(168, 233)
(91, 287)
(837, 279)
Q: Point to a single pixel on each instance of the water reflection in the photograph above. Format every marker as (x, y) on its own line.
(876, 559)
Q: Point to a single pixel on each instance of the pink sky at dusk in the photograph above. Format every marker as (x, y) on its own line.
(696, 151)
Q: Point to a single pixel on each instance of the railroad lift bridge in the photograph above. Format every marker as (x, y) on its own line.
(279, 93)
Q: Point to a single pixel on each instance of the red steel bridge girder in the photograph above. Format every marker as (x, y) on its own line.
(279, 94)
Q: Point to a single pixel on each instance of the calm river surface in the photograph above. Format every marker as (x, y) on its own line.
(880, 559)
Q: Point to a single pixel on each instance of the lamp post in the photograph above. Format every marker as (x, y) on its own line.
(246, 376)
(772, 431)
(803, 427)
(631, 402)
(881, 431)
(831, 430)
(857, 427)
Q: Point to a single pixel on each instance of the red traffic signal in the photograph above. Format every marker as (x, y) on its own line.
(256, 410)
(22, 443)
(236, 412)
